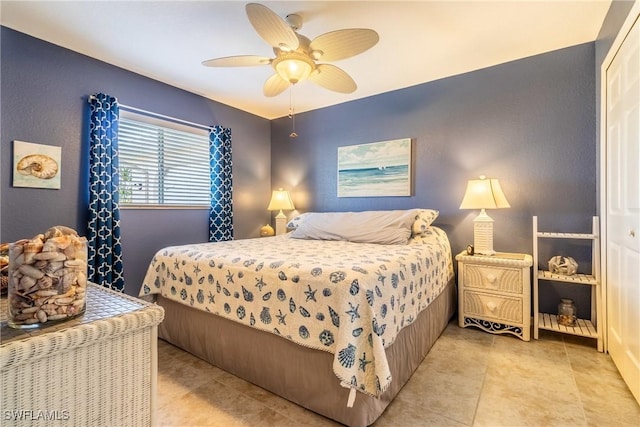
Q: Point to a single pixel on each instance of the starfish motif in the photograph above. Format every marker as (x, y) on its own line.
(281, 318)
(196, 269)
(260, 283)
(176, 265)
(229, 276)
(353, 312)
(212, 298)
(364, 362)
(311, 294)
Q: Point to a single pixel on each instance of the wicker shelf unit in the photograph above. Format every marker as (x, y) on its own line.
(548, 321)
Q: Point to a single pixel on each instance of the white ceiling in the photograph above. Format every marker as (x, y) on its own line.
(420, 41)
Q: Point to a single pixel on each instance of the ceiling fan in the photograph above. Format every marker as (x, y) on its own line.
(296, 57)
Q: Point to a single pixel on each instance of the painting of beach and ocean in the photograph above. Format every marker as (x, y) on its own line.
(375, 170)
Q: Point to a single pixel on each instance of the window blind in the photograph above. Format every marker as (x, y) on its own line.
(162, 166)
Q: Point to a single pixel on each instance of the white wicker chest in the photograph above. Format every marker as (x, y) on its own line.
(98, 369)
(494, 293)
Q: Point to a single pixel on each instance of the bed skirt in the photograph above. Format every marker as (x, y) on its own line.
(283, 367)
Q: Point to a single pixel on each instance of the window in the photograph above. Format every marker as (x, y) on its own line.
(162, 163)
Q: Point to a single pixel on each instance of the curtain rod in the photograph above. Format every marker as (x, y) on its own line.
(158, 115)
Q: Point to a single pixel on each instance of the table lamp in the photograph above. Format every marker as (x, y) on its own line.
(483, 194)
(281, 200)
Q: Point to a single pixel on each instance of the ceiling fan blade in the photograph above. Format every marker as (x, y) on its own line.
(275, 85)
(237, 61)
(333, 78)
(342, 44)
(273, 29)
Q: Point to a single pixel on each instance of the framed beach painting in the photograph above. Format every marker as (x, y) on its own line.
(36, 165)
(377, 169)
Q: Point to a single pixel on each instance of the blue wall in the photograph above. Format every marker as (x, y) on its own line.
(44, 100)
(530, 123)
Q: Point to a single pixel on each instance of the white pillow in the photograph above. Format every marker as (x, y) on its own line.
(382, 227)
(295, 221)
(424, 218)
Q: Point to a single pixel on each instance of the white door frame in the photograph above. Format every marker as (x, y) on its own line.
(634, 14)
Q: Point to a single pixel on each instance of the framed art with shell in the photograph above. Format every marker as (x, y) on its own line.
(36, 165)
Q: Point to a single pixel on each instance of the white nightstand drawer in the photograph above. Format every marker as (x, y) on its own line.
(498, 308)
(493, 278)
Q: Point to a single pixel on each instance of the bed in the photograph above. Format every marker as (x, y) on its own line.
(334, 316)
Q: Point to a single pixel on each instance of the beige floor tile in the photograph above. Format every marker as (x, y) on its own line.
(469, 378)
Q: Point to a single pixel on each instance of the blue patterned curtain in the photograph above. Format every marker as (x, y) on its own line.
(105, 251)
(221, 210)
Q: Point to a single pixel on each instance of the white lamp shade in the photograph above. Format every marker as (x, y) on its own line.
(280, 200)
(484, 194)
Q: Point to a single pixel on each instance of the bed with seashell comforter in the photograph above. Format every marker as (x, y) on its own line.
(335, 326)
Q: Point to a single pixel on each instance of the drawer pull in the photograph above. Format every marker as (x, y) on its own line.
(492, 306)
(491, 278)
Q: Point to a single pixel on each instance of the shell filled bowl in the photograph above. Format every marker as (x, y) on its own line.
(47, 278)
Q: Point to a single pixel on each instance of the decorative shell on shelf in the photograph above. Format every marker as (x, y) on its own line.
(563, 265)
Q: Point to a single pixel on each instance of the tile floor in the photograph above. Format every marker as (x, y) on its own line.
(470, 378)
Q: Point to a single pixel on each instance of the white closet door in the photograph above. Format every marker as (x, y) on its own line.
(622, 206)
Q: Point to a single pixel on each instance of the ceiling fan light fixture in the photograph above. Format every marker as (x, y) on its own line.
(293, 67)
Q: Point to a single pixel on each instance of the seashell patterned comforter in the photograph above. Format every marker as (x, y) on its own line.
(350, 299)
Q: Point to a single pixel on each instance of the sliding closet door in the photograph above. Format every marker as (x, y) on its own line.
(622, 204)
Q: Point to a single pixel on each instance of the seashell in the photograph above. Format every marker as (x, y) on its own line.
(31, 321)
(357, 332)
(335, 317)
(68, 279)
(38, 165)
(241, 312)
(379, 330)
(564, 265)
(347, 356)
(354, 288)
(74, 263)
(28, 270)
(304, 332)
(63, 301)
(45, 282)
(292, 305)
(26, 283)
(40, 264)
(370, 297)
(265, 316)
(42, 316)
(30, 310)
(326, 337)
(304, 312)
(200, 296)
(45, 256)
(30, 250)
(383, 310)
(45, 293)
(59, 230)
(281, 295)
(248, 295)
(81, 279)
(266, 297)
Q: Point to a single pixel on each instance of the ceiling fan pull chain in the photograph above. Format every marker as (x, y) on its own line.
(292, 116)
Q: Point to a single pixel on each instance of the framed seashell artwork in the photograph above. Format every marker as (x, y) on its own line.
(36, 165)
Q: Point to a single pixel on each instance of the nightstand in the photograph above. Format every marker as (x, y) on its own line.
(494, 293)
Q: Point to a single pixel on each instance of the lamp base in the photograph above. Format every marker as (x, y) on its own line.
(483, 234)
(281, 223)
